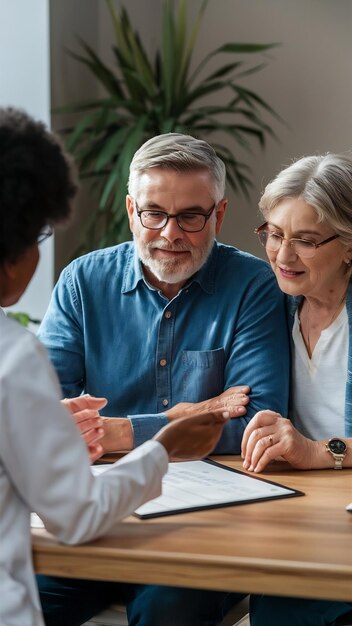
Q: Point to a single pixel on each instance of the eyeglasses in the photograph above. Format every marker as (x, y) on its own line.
(302, 247)
(190, 222)
(45, 233)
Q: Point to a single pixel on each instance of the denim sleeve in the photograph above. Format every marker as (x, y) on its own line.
(61, 333)
(259, 357)
(146, 426)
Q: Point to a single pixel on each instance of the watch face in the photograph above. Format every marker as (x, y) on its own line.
(337, 446)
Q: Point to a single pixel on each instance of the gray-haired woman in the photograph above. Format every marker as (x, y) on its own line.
(308, 239)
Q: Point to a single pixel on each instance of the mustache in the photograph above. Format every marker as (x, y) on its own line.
(181, 246)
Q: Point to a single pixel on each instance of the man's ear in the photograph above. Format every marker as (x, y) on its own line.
(130, 211)
(220, 214)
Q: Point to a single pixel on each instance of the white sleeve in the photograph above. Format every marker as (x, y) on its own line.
(47, 460)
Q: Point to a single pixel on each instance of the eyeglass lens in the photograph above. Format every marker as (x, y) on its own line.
(273, 242)
(189, 222)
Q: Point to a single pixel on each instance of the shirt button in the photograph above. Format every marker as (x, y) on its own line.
(168, 314)
(163, 362)
(165, 402)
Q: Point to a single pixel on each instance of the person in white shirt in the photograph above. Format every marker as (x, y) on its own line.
(308, 239)
(44, 462)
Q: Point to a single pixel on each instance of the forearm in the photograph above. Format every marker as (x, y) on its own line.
(322, 459)
(118, 435)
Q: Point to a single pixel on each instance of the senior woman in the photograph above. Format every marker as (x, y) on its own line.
(308, 239)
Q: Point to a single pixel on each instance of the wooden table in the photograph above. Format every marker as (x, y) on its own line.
(297, 546)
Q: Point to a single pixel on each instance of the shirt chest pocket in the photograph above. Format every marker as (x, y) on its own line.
(202, 374)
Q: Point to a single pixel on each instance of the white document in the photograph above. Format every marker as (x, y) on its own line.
(195, 485)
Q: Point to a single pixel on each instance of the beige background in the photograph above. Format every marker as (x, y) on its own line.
(308, 80)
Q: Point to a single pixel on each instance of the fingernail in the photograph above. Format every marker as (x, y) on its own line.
(245, 465)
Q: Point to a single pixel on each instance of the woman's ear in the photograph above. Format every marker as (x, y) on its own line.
(348, 257)
(16, 275)
(6, 281)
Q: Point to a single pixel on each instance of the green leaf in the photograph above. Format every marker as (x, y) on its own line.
(246, 48)
(101, 71)
(111, 148)
(22, 318)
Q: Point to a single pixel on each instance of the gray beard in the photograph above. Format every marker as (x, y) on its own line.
(174, 271)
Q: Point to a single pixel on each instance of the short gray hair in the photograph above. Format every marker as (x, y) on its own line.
(324, 182)
(181, 153)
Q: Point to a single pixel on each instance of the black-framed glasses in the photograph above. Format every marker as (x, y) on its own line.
(45, 233)
(302, 247)
(189, 221)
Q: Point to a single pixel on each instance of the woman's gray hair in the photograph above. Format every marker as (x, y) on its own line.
(324, 182)
(181, 153)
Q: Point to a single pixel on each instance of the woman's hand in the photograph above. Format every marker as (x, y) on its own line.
(85, 413)
(269, 436)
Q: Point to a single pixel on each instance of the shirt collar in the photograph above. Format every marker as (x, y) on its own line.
(205, 277)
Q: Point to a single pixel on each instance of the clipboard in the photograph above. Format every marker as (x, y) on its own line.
(199, 485)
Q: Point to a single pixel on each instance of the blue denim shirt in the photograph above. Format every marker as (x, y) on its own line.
(293, 305)
(109, 333)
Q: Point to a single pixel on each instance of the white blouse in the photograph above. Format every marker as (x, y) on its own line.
(319, 382)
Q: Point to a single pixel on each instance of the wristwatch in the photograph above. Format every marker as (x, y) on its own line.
(338, 449)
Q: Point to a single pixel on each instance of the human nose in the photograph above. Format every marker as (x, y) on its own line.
(171, 230)
(286, 250)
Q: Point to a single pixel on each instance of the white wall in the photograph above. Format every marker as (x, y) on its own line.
(25, 83)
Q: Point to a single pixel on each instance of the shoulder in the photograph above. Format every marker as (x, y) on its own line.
(105, 260)
(19, 348)
(23, 363)
(234, 264)
(14, 339)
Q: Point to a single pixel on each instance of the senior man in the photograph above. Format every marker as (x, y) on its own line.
(170, 324)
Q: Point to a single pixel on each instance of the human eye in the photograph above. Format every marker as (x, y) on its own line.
(153, 215)
(191, 218)
(304, 244)
(274, 237)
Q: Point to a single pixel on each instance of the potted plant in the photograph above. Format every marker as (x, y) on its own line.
(146, 97)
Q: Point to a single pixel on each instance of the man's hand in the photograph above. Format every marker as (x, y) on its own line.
(85, 412)
(233, 401)
(193, 437)
(269, 436)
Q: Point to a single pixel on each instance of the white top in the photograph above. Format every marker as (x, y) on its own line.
(44, 467)
(320, 381)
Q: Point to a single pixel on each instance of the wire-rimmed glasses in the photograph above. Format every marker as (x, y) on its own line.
(45, 233)
(302, 247)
